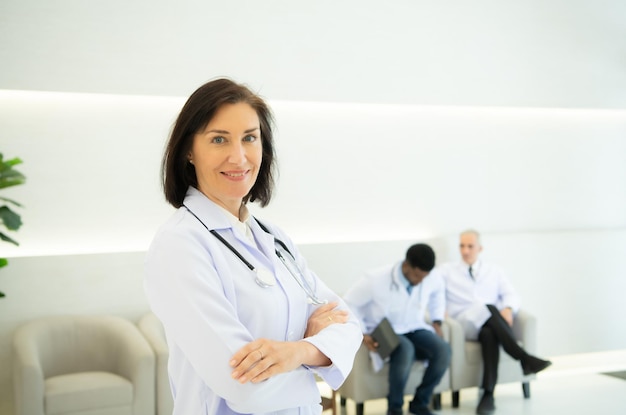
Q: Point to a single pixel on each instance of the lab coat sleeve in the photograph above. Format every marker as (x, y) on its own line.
(338, 342)
(358, 298)
(437, 299)
(188, 296)
(507, 293)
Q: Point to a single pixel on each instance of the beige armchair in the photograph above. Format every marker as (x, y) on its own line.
(82, 365)
(364, 384)
(466, 367)
(152, 330)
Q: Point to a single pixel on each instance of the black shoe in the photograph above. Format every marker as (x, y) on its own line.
(532, 364)
(419, 410)
(397, 411)
(486, 406)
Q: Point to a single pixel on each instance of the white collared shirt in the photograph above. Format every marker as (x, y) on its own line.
(467, 297)
(241, 225)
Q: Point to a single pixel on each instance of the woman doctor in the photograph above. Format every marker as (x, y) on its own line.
(247, 323)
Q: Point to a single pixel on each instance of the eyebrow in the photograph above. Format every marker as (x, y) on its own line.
(228, 132)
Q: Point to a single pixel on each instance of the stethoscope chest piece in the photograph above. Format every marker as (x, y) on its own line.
(264, 278)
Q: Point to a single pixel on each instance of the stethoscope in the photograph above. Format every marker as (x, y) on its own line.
(263, 277)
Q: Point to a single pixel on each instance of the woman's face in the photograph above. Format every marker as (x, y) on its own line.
(227, 155)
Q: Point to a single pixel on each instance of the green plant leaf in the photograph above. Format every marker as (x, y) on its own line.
(6, 199)
(11, 178)
(14, 161)
(9, 163)
(11, 220)
(8, 175)
(6, 238)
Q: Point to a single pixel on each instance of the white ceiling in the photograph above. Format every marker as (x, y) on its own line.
(557, 53)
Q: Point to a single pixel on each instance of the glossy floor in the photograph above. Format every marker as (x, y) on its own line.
(571, 386)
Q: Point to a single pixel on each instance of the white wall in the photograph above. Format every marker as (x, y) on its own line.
(348, 172)
(557, 53)
(397, 122)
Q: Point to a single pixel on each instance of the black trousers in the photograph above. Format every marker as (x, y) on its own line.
(495, 332)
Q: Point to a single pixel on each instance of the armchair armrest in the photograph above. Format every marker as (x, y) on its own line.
(28, 374)
(457, 343)
(152, 329)
(525, 330)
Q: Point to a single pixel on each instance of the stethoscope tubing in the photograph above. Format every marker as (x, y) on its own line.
(313, 299)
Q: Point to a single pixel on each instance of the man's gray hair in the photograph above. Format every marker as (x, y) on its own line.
(471, 232)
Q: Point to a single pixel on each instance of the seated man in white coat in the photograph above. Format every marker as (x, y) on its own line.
(482, 299)
(402, 292)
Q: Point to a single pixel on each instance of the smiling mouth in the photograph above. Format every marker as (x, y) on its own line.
(241, 174)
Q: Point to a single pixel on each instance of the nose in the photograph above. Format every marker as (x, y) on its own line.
(237, 154)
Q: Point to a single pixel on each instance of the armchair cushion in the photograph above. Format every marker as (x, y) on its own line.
(83, 391)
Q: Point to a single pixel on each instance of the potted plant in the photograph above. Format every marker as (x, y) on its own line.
(9, 220)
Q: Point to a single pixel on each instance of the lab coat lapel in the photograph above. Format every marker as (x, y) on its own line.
(209, 213)
(214, 218)
(265, 240)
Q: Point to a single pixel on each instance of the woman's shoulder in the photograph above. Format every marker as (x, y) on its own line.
(180, 229)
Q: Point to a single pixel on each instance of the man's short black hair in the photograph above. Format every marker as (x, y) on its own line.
(421, 256)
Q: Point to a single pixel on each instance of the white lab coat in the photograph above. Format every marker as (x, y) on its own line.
(382, 293)
(211, 306)
(466, 297)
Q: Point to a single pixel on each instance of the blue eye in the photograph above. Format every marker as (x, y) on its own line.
(249, 138)
(218, 140)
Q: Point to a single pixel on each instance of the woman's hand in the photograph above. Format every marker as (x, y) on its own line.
(261, 359)
(324, 316)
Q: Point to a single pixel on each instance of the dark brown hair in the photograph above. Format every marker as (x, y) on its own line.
(176, 171)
